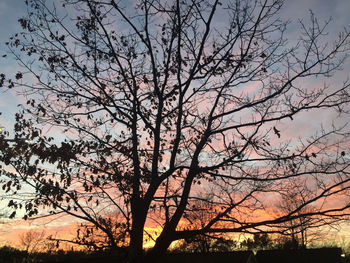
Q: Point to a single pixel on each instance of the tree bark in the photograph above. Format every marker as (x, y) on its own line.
(160, 248)
(136, 234)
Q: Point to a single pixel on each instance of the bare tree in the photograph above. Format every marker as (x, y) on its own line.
(307, 226)
(93, 238)
(293, 198)
(32, 240)
(197, 216)
(161, 102)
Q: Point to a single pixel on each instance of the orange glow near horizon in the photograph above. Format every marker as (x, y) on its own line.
(10, 232)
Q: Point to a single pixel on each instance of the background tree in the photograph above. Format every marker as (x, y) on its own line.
(298, 232)
(259, 241)
(161, 102)
(198, 216)
(33, 240)
(93, 238)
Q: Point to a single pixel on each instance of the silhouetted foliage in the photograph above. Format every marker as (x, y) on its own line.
(319, 255)
(14, 255)
(205, 244)
(160, 111)
(233, 256)
(259, 241)
(10, 254)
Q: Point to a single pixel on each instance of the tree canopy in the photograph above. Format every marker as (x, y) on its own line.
(167, 114)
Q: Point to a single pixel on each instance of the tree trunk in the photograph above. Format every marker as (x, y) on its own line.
(136, 235)
(159, 249)
(135, 248)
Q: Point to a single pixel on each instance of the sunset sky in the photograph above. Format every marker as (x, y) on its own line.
(294, 10)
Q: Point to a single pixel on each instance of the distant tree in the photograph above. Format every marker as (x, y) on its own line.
(259, 241)
(11, 254)
(205, 244)
(197, 216)
(32, 240)
(296, 230)
(307, 226)
(93, 238)
(158, 103)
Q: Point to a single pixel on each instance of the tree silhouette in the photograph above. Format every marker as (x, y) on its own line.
(141, 110)
(32, 240)
(261, 241)
(307, 227)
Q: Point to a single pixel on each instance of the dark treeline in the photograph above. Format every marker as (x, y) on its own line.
(258, 242)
